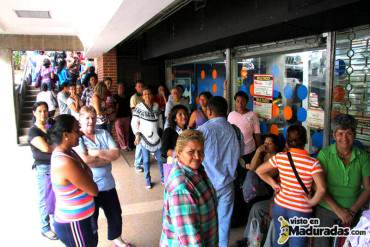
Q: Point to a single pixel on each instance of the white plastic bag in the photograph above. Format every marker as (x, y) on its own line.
(254, 235)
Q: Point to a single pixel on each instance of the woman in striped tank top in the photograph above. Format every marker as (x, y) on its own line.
(290, 198)
(73, 185)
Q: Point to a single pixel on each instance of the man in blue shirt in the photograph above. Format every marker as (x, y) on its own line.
(222, 151)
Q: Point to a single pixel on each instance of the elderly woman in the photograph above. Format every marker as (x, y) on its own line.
(41, 152)
(347, 171)
(190, 207)
(98, 149)
(145, 123)
(291, 198)
(178, 121)
(199, 116)
(73, 185)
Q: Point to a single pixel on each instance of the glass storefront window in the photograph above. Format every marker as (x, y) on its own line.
(200, 77)
(297, 91)
(351, 87)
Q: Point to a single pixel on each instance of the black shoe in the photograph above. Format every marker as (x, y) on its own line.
(242, 242)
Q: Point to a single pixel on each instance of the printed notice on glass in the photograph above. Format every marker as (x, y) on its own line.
(263, 107)
(315, 118)
(263, 86)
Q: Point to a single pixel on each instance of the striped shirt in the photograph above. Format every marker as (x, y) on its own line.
(190, 210)
(292, 195)
(71, 203)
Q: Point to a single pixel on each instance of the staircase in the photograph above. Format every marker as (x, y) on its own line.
(26, 114)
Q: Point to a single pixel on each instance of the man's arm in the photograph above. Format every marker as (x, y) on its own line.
(343, 214)
(364, 196)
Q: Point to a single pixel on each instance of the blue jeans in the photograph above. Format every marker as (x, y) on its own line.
(138, 156)
(41, 172)
(146, 162)
(287, 214)
(225, 198)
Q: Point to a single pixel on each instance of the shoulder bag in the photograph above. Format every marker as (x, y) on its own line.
(296, 174)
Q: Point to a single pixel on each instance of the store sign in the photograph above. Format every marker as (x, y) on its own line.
(315, 118)
(264, 86)
(263, 107)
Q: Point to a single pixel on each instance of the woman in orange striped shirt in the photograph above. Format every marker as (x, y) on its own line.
(290, 197)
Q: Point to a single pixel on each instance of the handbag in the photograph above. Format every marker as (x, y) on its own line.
(254, 187)
(296, 174)
(49, 196)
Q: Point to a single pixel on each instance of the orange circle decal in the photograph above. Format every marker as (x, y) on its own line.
(251, 89)
(275, 110)
(214, 74)
(288, 113)
(274, 129)
(339, 93)
(214, 88)
(202, 74)
(244, 72)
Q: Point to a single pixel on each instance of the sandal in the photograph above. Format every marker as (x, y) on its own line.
(50, 235)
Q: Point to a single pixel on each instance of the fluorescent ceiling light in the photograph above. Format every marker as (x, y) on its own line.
(33, 14)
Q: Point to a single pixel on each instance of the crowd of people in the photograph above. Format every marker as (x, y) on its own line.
(200, 154)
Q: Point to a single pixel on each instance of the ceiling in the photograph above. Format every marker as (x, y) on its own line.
(100, 25)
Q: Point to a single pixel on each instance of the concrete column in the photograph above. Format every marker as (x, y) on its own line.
(8, 124)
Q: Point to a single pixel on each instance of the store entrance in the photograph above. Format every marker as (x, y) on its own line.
(285, 89)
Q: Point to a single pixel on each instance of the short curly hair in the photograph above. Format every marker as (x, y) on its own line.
(344, 122)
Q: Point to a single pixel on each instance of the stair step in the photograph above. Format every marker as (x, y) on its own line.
(23, 140)
(30, 98)
(27, 109)
(28, 103)
(26, 123)
(26, 115)
(33, 90)
(24, 131)
(30, 87)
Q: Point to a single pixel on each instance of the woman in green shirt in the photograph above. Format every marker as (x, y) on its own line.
(347, 171)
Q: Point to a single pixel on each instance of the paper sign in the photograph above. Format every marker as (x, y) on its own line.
(315, 118)
(264, 86)
(263, 107)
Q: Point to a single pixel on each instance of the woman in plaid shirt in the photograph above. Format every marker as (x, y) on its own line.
(190, 206)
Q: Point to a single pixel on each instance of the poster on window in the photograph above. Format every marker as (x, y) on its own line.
(315, 118)
(263, 86)
(263, 107)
